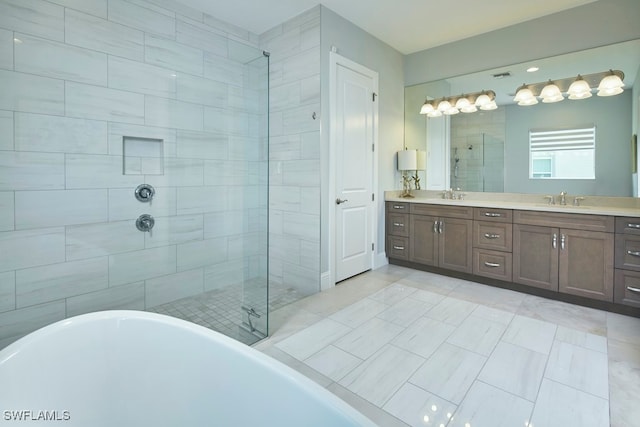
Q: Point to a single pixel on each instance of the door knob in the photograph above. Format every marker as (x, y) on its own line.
(340, 201)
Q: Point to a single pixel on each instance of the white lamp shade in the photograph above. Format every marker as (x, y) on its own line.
(524, 94)
(422, 160)
(469, 109)
(610, 85)
(483, 99)
(551, 93)
(444, 105)
(579, 89)
(532, 101)
(427, 107)
(407, 160)
(451, 111)
(462, 103)
(435, 113)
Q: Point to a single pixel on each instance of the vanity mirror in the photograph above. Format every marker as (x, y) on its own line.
(509, 149)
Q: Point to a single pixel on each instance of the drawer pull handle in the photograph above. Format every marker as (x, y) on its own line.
(398, 224)
(491, 236)
(398, 207)
(563, 240)
(633, 225)
(636, 290)
(555, 241)
(633, 253)
(492, 214)
(491, 264)
(398, 248)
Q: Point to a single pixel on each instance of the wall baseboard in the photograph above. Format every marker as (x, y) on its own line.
(325, 281)
(380, 260)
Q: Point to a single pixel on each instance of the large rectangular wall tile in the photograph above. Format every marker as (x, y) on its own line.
(226, 172)
(192, 34)
(300, 119)
(92, 102)
(174, 114)
(302, 65)
(31, 171)
(52, 282)
(200, 90)
(226, 121)
(6, 130)
(138, 77)
(172, 230)
(38, 132)
(174, 287)
(125, 297)
(224, 274)
(107, 238)
(193, 200)
(6, 210)
(93, 7)
(172, 55)
(7, 291)
(141, 265)
(34, 94)
(36, 209)
(97, 171)
(179, 173)
(118, 130)
(228, 28)
(220, 224)
(123, 204)
(15, 324)
(31, 248)
(6, 49)
(201, 253)
(202, 145)
(304, 226)
(223, 69)
(142, 18)
(303, 173)
(99, 34)
(36, 17)
(33, 55)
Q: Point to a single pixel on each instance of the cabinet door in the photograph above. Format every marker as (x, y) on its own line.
(455, 245)
(535, 256)
(586, 263)
(423, 244)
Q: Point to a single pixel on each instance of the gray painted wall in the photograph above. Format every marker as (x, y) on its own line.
(613, 136)
(357, 45)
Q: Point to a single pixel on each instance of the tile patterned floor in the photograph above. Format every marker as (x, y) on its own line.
(410, 348)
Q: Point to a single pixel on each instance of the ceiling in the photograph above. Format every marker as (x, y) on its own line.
(406, 25)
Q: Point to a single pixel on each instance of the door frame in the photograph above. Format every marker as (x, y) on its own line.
(334, 61)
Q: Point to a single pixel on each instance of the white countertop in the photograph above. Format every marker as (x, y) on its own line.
(614, 206)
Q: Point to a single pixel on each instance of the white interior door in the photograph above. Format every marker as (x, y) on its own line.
(355, 122)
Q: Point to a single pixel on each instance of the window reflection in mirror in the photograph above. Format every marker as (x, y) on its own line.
(562, 153)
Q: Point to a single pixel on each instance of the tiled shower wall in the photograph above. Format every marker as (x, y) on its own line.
(75, 77)
(294, 153)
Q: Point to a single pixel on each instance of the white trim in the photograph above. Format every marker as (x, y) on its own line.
(380, 260)
(335, 60)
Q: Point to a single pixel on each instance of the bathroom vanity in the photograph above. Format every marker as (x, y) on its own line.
(583, 254)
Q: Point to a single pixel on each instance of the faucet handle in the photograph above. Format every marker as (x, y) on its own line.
(576, 200)
(551, 199)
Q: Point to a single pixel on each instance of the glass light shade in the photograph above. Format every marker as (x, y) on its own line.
(407, 160)
(470, 109)
(610, 85)
(444, 105)
(483, 99)
(451, 111)
(462, 103)
(422, 160)
(427, 107)
(491, 105)
(531, 101)
(551, 93)
(524, 94)
(579, 89)
(434, 113)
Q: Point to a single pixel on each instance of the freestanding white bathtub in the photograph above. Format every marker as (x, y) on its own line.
(131, 368)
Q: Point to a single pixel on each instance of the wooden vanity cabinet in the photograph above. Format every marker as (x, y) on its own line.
(397, 230)
(493, 243)
(570, 259)
(441, 236)
(627, 262)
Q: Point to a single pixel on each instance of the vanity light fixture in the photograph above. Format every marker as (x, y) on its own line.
(608, 83)
(465, 103)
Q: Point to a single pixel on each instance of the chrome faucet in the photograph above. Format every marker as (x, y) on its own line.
(563, 198)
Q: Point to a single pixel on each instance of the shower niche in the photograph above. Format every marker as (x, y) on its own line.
(142, 156)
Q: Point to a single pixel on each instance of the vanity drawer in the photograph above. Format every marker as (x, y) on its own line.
(398, 247)
(397, 207)
(493, 264)
(626, 289)
(627, 252)
(462, 212)
(584, 222)
(491, 214)
(398, 224)
(493, 235)
(628, 225)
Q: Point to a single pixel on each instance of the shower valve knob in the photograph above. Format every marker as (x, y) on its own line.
(145, 223)
(145, 193)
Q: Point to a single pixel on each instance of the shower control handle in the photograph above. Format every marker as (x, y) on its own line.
(145, 223)
(145, 192)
